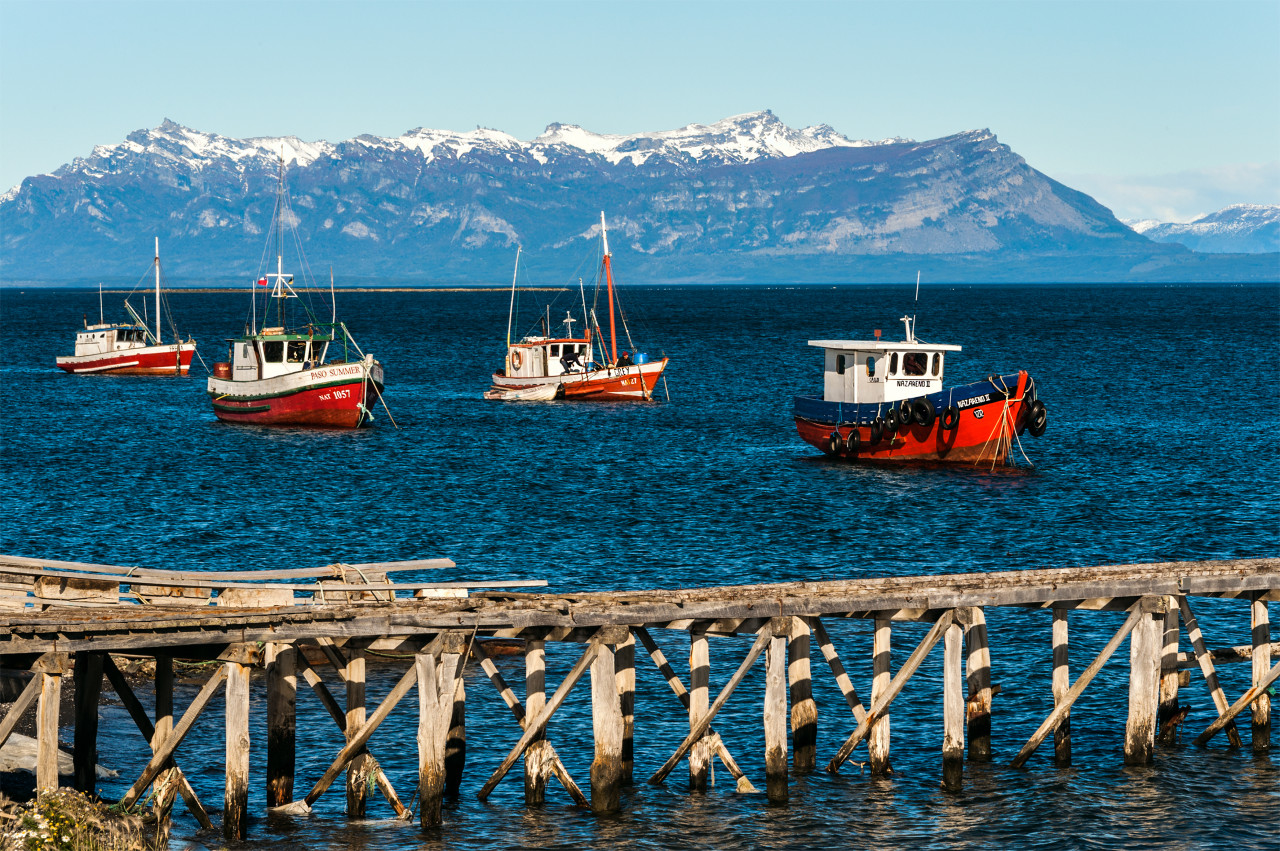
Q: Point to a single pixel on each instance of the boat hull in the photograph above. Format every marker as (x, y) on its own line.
(635, 382)
(992, 413)
(174, 359)
(329, 396)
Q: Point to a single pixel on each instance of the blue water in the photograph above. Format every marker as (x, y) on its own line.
(1163, 444)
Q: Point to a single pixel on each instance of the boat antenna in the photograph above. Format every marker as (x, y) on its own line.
(101, 320)
(608, 274)
(333, 300)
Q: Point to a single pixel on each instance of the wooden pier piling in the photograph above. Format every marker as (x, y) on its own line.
(282, 699)
(1146, 647)
(953, 709)
(775, 712)
(978, 676)
(1261, 639)
(804, 712)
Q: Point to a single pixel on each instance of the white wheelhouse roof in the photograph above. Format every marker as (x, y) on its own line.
(881, 345)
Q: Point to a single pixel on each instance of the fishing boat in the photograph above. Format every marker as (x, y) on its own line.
(885, 401)
(130, 348)
(570, 366)
(289, 368)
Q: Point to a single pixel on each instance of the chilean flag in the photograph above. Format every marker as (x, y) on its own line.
(262, 282)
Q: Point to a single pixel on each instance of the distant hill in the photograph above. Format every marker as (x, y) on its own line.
(746, 198)
(1238, 229)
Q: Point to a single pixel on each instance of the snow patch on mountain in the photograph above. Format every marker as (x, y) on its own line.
(1238, 229)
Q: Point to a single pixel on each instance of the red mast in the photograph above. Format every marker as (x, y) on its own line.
(608, 275)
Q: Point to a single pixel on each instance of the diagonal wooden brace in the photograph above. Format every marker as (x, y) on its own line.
(1205, 660)
(837, 667)
(1236, 708)
(895, 687)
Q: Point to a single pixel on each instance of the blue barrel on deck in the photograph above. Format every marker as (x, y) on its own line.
(639, 358)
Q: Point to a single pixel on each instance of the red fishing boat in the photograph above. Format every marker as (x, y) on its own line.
(291, 369)
(885, 401)
(129, 348)
(545, 366)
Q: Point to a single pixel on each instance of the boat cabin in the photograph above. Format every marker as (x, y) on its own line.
(543, 357)
(876, 371)
(273, 353)
(106, 338)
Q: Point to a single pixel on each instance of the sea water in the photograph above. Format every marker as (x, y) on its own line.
(1163, 444)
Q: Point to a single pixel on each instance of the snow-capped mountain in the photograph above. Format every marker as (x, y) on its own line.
(745, 197)
(1238, 229)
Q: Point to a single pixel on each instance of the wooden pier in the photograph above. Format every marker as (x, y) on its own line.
(59, 618)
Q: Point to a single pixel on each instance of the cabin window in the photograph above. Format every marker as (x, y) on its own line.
(297, 351)
(840, 364)
(914, 363)
(244, 350)
(555, 350)
(273, 351)
(937, 363)
(871, 367)
(893, 364)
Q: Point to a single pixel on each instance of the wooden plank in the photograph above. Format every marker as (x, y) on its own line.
(435, 708)
(539, 724)
(606, 727)
(878, 706)
(289, 573)
(625, 660)
(1259, 688)
(804, 711)
(978, 677)
(165, 752)
(282, 722)
(1061, 687)
(699, 703)
(235, 812)
(537, 762)
(953, 708)
(47, 732)
(1206, 668)
(1146, 644)
(775, 719)
(1060, 709)
(837, 668)
(1261, 634)
(88, 688)
(75, 590)
(254, 597)
(19, 708)
(704, 721)
(878, 727)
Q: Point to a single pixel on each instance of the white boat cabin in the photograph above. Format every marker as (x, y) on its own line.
(273, 352)
(106, 338)
(546, 357)
(875, 371)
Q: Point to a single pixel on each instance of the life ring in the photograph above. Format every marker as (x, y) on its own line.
(516, 359)
(834, 443)
(950, 418)
(852, 441)
(1038, 419)
(877, 431)
(924, 412)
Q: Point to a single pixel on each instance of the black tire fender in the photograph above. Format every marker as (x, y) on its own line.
(834, 443)
(924, 412)
(1037, 418)
(950, 418)
(877, 431)
(852, 442)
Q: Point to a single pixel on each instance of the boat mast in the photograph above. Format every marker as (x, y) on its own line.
(101, 321)
(512, 309)
(157, 290)
(608, 274)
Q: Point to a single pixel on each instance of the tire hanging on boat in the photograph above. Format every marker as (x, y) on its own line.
(877, 431)
(892, 421)
(852, 442)
(834, 443)
(950, 418)
(1038, 418)
(924, 412)
(905, 415)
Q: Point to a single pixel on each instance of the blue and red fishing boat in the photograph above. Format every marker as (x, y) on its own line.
(885, 401)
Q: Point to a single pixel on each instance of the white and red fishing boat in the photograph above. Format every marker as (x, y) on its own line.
(545, 366)
(129, 348)
(885, 401)
(290, 369)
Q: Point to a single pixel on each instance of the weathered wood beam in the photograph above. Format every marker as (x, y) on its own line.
(837, 668)
(704, 721)
(606, 726)
(879, 705)
(804, 711)
(1061, 687)
(359, 766)
(1169, 715)
(1062, 708)
(1206, 668)
(19, 708)
(436, 684)
(625, 661)
(88, 688)
(47, 731)
(282, 722)
(699, 703)
(1257, 690)
(455, 745)
(878, 726)
(978, 678)
(1261, 633)
(1146, 644)
(775, 714)
(953, 708)
(235, 812)
(537, 767)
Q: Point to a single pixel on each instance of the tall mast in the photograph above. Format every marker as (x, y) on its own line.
(157, 290)
(608, 274)
(512, 309)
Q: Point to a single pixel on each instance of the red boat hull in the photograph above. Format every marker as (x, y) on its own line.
(984, 435)
(619, 384)
(133, 362)
(331, 406)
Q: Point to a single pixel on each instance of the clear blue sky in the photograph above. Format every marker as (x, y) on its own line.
(1158, 109)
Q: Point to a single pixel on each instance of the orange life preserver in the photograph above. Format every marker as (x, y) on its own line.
(516, 359)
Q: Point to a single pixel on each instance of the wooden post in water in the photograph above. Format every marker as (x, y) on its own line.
(1169, 715)
(606, 724)
(49, 669)
(699, 702)
(168, 782)
(282, 701)
(953, 709)
(978, 674)
(625, 662)
(88, 684)
(881, 676)
(235, 816)
(775, 712)
(804, 712)
(1061, 685)
(455, 746)
(537, 757)
(436, 681)
(358, 768)
(1261, 665)
(1146, 645)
